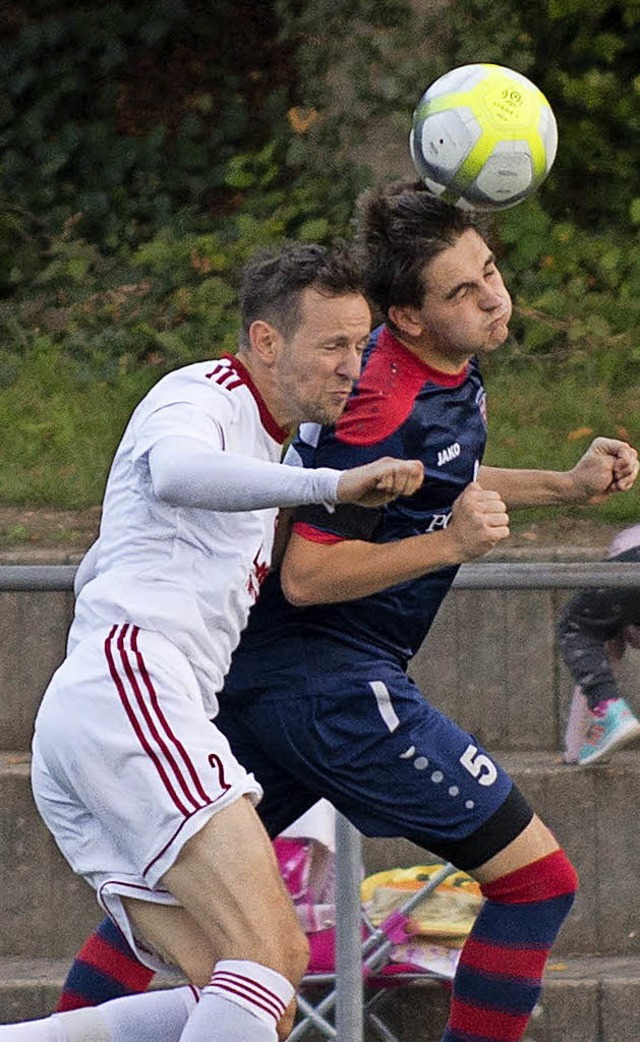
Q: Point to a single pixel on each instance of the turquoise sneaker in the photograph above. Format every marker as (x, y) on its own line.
(609, 731)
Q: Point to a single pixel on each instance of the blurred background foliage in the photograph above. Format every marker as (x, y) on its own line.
(147, 148)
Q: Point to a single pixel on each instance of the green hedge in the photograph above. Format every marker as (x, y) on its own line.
(146, 148)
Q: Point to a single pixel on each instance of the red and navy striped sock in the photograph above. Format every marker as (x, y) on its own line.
(499, 976)
(104, 968)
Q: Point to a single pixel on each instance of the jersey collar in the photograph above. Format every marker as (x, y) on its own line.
(278, 433)
(389, 343)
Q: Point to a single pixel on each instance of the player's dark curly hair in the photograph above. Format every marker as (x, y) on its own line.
(275, 278)
(400, 229)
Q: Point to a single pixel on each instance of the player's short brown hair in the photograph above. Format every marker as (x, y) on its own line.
(400, 229)
(274, 280)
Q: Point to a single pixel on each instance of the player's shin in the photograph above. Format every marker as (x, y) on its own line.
(500, 971)
(243, 1000)
(158, 1016)
(105, 968)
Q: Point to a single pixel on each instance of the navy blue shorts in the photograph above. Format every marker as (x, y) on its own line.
(369, 742)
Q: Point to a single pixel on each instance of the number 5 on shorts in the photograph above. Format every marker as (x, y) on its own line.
(479, 765)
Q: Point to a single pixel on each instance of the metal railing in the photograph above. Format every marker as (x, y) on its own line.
(499, 575)
(487, 575)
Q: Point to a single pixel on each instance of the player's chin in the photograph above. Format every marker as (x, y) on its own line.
(497, 336)
(332, 410)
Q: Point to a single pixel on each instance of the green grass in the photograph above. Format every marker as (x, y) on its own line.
(60, 428)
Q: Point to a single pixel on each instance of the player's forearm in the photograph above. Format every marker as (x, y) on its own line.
(521, 488)
(186, 473)
(323, 574)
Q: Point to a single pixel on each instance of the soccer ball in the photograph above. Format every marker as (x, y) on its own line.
(483, 137)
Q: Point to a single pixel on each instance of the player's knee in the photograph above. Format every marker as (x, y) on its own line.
(552, 878)
(282, 947)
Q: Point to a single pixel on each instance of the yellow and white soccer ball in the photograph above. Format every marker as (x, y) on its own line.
(483, 137)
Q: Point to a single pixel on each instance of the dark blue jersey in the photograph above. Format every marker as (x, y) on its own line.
(401, 408)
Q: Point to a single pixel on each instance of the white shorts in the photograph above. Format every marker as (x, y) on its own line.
(127, 766)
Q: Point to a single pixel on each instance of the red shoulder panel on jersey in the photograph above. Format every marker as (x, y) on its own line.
(316, 535)
(387, 390)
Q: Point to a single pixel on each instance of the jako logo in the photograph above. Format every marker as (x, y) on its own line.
(446, 455)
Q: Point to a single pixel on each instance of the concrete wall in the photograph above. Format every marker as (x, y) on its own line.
(490, 662)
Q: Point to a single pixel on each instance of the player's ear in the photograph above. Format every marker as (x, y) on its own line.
(264, 340)
(407, 319)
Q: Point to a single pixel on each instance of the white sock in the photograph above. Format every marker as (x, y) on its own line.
(31, 1031)
(154, 1016)
(243, 1002)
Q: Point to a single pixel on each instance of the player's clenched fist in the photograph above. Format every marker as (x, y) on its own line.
(380, 482)
(608, 465)
(479, 520)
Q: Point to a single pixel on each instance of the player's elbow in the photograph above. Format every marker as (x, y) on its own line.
(299, 589)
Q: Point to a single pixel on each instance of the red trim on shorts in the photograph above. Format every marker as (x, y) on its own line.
(137, 711)
(165, 724)
(151, 753)
(316, 535)
(147, 868)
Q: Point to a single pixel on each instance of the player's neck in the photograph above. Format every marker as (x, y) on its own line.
(264, 383)
(431, 356)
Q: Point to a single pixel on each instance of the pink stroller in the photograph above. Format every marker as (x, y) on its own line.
(306, 858)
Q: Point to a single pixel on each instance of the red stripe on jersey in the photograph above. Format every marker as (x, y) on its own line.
(278, 433)
(316, 535)
(502, 960)
(486, 1023)
(227, 378)
(387, 389)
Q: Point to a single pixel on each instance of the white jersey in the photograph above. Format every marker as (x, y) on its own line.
(190, 574)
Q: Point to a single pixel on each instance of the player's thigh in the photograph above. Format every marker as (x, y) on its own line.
(226, 877)
(533, 843)
(171, 932)
(285, 796)
(371, 743)
(146, 763)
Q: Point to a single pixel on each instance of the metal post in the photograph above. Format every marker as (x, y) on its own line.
(349, 1008)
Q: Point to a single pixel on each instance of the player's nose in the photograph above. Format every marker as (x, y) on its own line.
(491, 300)
(351, 364)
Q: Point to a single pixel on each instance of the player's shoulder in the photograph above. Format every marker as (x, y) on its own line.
(201, 383)
(393, 379)
(225, 373)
